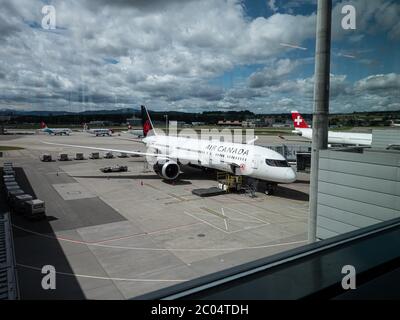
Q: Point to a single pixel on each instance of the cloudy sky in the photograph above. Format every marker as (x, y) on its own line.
(189, 55)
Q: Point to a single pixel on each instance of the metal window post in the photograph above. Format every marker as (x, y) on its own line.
(321, 105)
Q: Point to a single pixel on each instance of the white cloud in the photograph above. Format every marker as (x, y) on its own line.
(272, 5)
(163, 53)
(378, 92)
(374, 16)
(272, 74)
(379, 82)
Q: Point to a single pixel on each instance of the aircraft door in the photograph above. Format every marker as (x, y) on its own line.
(255, 161)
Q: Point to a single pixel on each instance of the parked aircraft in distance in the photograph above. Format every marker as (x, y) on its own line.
(395, 123)
(98, 132)
(136, 132)
(343, 138)
(170, 152)
(55, 131)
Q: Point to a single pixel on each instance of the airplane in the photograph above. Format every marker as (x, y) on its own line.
(343, 138)
(98, 131)
(55, 131)
(170, 152)
(394, 123)
(138, 133)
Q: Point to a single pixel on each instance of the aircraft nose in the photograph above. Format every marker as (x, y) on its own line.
(291, 175)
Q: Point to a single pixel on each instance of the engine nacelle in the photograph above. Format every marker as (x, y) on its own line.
(168, 170)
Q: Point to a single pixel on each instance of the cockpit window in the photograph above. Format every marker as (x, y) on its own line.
(277, 163)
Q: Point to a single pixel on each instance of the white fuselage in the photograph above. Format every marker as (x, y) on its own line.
(57, 131)
(358, 139)
(244, 159)
(100, 132)
(138, 133)
(395, 124)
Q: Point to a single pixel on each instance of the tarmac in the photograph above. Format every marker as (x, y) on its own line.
(121, 235)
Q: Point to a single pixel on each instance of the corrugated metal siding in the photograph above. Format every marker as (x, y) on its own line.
(381, 139)
(357, 190)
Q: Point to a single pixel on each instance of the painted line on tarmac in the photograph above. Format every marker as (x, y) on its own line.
(162, 249)
(102, 278)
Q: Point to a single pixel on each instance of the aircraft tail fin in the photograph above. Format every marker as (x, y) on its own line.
(43, 125)
(148, 128)
(299, 121)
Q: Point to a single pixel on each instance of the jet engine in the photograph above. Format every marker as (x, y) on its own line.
(168, 170)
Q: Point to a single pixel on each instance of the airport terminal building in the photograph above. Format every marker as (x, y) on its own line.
(359, 188)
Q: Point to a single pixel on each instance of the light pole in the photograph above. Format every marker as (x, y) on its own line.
(321, 105)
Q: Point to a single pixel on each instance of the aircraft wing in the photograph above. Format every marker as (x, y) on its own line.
(144, 154)
(128, 139)
(293, 140)
(192, 156)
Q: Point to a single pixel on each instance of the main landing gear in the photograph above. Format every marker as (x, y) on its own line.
(270, 189)
(267, 188)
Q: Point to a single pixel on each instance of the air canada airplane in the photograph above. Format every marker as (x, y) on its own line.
(169, 153)
(55, 131)
(346, 138)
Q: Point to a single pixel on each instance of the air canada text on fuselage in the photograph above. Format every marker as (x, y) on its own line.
(232, 150)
